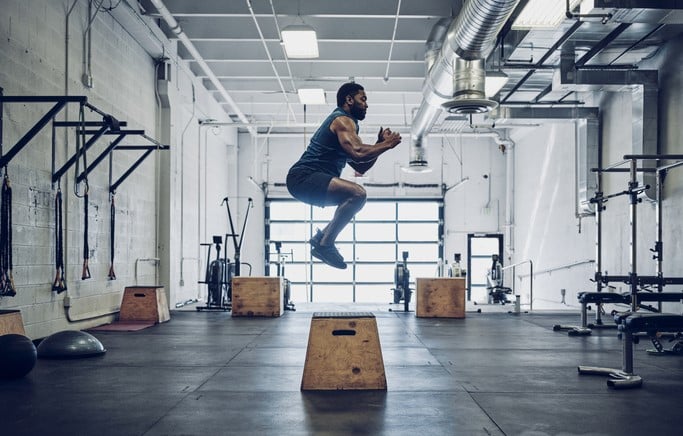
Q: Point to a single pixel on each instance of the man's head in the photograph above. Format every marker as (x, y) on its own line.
(351, 96)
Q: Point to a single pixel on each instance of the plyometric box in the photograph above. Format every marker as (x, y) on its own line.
(11, 323)
(144, 303)
(343, 353)
(440, 297)
(257, 296)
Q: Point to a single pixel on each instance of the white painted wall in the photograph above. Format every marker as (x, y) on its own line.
(33, 60)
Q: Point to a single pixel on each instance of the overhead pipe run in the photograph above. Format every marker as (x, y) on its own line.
(182, 37)
(456, 78)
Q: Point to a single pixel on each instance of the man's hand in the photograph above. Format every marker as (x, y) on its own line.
(386, 135)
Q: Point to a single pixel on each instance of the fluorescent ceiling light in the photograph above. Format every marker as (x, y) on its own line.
(494, 82)
(311, 96)
(543, 14)
(300, 42)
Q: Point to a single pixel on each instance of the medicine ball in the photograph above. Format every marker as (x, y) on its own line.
(17, 356)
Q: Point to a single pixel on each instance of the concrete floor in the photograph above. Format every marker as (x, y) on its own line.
(209, 374)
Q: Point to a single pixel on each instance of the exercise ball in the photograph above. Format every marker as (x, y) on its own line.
(17, 356)
(70, 344)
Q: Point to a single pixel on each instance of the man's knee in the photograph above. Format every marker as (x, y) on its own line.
(359, 195)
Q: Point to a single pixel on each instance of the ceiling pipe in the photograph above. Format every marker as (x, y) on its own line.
(456, 77)
(182, 37)
(270, 59)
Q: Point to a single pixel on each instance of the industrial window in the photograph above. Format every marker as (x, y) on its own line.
(371, 245)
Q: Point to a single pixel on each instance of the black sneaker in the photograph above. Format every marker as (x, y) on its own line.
(329, 255)
(315, 240)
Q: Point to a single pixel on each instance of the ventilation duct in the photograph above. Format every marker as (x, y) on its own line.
(643, 86)
(635, 11)
(456, 78)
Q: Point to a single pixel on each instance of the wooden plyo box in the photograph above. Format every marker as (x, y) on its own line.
(11, 323)
(343, 353)
(144, 303)
(257, 296)
(440, 297)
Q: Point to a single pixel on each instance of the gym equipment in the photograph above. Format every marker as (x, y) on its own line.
(402, 291)
(218, 276)
(59, 284)
(455, 269)
(17, 356)
(629, 324)
(634, 280)
(70, 344)
(440, 297)
(343, 353)
(7, 288)
(497, 292)
(112, 231)
(280, 262)
(257, 296)
(237, 243)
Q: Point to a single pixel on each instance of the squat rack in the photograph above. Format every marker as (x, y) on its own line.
(634, 190)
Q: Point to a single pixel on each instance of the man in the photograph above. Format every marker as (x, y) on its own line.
(314, 178)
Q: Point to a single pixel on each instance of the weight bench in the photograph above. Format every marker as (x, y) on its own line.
(498, 294)
(585, 298)
(629, 325)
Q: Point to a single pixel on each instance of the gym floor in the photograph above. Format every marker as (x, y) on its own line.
(205, 373)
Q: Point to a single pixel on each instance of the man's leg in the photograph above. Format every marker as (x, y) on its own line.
(349, 198)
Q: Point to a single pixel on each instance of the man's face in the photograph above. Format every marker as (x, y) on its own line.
(359, 106)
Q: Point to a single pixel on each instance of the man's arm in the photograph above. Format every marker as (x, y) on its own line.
(362, 167)
(345, 129)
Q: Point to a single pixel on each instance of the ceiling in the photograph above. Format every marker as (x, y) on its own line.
(381, 45)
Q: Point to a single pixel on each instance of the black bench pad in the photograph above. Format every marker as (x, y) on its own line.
(650, 322)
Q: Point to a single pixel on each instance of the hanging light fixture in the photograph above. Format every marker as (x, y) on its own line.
(300, 41)
(311, 95)
(542, 14)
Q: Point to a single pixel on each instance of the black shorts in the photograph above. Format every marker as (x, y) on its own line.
(309, 187)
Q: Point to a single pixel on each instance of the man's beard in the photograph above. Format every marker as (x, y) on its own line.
(357, 112)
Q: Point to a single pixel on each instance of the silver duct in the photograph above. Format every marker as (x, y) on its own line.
(644, 88)
(456, 77)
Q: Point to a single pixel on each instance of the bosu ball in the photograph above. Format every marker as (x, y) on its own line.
(70, 344)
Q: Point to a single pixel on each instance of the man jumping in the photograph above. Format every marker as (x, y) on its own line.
(315, 177)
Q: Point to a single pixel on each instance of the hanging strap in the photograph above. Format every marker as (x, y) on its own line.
(86, 249)
(59, 285)
(112, 228)
(6, 279)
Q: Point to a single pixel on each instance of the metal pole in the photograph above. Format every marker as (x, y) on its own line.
(633, 221)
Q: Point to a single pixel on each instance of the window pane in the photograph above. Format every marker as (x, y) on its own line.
(479, 265)
(289, 231)
(332, 293)
(292, 252)
(382, 273)
(418, 210)
(418, 231)
(375, 232)
(376, 252)
(298, 293)
(422, 270)
(323, 213)
(381, 294)
(487, 246)
(421, 252)
(296, 272)
(289, 210)
(377, 211)
(325, 273)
